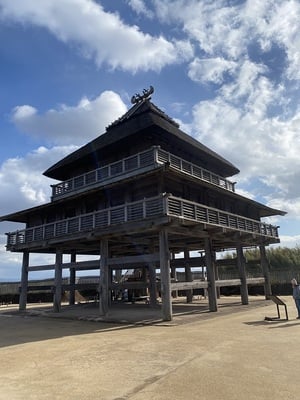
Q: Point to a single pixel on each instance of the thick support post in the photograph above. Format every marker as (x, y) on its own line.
(241, 264)
(57, 281)
(266, 270)
(188, 276)
(174, 277)
(210, 268)
(72, 280)
(152, 285)
(103, 286)
(24, 282)
(218, 289)
(165, 275)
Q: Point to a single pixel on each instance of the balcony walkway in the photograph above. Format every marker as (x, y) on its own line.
(151, 208)
(133, 165)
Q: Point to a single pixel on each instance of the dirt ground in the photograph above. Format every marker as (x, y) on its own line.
(232, 354)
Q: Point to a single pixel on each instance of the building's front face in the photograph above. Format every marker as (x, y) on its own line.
(129, 189)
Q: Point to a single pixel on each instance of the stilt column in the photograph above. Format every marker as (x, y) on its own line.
(24, 282)
(210, 268)
(58, 281)
(72, 280)
(188, 276)
(152, 285)
(242, 273)
(165, 276)
(103, 287)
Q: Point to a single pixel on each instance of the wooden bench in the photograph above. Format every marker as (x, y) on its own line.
(278, 303)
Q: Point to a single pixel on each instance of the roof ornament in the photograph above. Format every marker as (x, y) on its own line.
(138, 98)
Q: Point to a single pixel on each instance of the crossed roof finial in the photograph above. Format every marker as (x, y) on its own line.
(138, 98)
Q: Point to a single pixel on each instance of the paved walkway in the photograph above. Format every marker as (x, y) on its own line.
(232, 354)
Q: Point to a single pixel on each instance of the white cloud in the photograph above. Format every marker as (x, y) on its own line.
(70, 124)
(288, 241)
(140, 7)
(210, 69)
(262, 148)
(24, 186)
(227, 30)
(22, 181)
(100, 35)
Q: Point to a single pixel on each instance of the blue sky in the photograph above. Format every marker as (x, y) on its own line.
(227, 71)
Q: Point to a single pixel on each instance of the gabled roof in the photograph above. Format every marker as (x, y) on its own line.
(141, 118)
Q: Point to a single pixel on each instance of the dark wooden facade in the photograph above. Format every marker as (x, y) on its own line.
(136, 196)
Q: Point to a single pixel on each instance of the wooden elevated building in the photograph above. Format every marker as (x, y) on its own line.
(136, 196)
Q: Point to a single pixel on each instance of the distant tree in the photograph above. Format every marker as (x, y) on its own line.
(278, 257)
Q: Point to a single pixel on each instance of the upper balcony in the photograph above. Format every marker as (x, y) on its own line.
(150, 208)
(133, 165)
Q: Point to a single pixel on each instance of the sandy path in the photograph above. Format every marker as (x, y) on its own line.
(224, 356)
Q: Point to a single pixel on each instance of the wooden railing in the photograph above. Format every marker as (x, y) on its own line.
(193, 170)
(147, 208)
(132, 165)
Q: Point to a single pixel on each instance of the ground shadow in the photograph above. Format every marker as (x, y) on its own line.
(40, 323)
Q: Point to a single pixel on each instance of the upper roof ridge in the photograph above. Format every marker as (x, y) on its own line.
(141, 103)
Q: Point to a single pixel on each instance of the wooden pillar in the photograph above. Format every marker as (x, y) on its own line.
(210, 269)
(57, 281)
(266, 270)
(110, 281)
(216, 272)
(188, 276)
(72, 280)
(24, 281)
(242, 272)
(103, 286)
(165, 276)
(152, 285)
(174, 277)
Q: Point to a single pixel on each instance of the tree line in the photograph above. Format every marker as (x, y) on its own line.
(278, 257)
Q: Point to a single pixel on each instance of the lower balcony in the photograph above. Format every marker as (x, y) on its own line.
(146, 209)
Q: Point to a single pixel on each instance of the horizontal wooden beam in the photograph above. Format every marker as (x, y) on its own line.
(256, 281)
(189, 285)
(139, 259)
(129, 285)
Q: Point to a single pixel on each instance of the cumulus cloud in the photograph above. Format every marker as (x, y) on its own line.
(100, 35)
(210, 69)
(22, 181)
(140, 8)
(70, 124)
(262, 147)
(222, 28)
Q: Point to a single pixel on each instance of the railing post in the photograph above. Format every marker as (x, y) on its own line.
(144, 208)
(125, 213)
(165, 204)
(155, 155)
